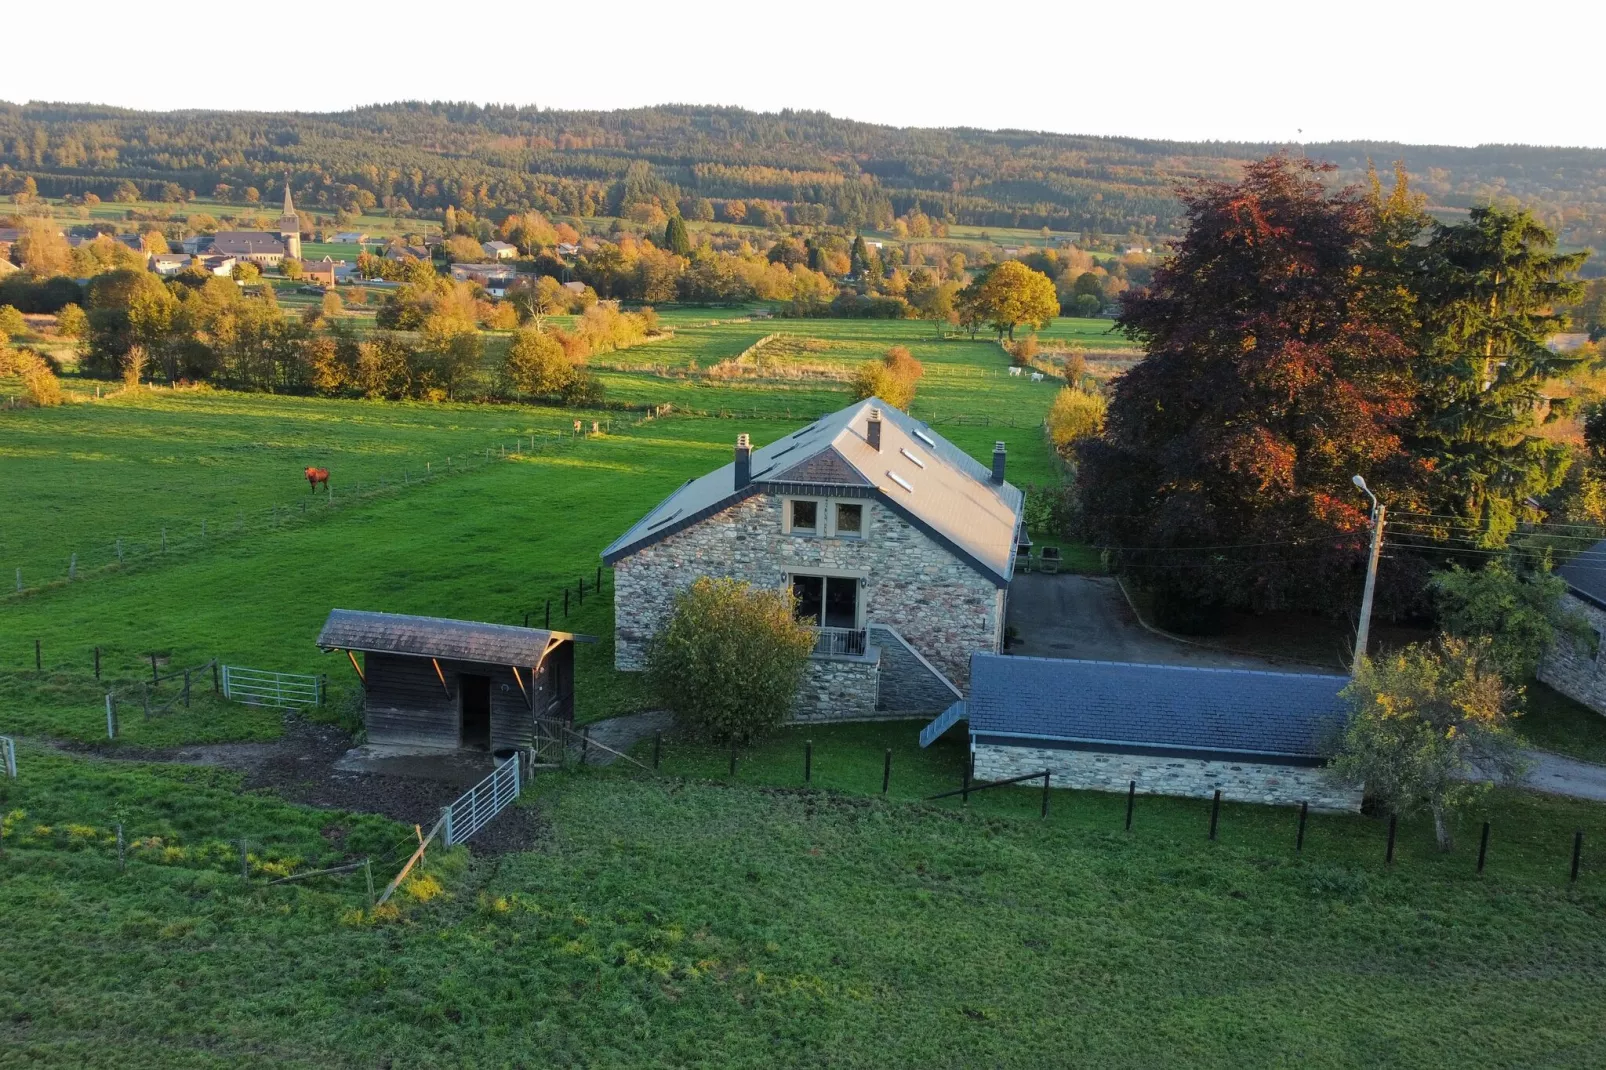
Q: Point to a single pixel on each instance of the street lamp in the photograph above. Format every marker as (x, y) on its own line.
(1361, 633)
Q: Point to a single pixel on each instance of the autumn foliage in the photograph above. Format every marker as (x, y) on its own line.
(1224, 473)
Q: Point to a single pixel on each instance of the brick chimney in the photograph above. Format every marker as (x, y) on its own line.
(744, 461)
(998, 463)
(872, 431)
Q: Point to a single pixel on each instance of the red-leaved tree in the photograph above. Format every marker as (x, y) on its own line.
(1224, 474)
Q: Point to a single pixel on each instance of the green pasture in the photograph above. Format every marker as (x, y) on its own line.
(691, 923)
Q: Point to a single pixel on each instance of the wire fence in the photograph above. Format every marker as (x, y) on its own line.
(179, 539)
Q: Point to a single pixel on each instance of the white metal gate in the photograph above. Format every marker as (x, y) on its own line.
(8, 756)
(284, 690)
(483, 801)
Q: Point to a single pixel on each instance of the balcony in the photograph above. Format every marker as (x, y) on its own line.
(839, 643)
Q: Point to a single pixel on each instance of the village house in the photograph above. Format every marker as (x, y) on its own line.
(1575, 665)
(494, 278)
(169, 263)
(350, 237)
(322, 272)
(898, 546)
(500, 250)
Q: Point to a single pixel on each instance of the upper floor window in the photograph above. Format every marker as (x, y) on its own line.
(850, 519)
(805, 517)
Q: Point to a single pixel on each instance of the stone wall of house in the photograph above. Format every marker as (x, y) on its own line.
(909, 686)
(1191, 778)
(941, 605)
(1570, 666)
(838, 689)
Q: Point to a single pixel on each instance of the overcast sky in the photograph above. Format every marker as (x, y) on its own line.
(1440, 72)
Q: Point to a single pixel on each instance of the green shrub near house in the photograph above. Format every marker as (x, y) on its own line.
(729, 661)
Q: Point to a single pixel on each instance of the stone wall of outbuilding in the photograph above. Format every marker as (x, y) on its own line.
(1193, 778)
(1573, 666)
(838, 689)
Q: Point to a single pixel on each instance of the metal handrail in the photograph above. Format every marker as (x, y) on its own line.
(840, 642)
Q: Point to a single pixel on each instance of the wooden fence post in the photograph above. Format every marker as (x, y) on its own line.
(808, 761)
(964, 787)
(1578, 852)
(1299, 838)
(1388, 857)
(38, 657)
(1131, 798)
(97, 663)
(1483, 846)
(1044, 814)
(585, 744)
(1215, 812)
(186, 689)
(216, 688)
(368, 874)
(886, 772)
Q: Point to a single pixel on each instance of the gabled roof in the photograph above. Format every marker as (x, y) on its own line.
(1585, 575)
(437, 637)
(917, 473)
(247, 243)
(1174, 707)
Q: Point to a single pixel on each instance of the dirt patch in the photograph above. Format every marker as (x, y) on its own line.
(299, 767)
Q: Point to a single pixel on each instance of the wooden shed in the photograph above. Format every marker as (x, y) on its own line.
(429, 682)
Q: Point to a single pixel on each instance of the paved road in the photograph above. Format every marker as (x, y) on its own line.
(1557, 775)
(1067, 616)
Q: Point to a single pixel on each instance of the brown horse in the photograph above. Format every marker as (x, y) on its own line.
(316, 476)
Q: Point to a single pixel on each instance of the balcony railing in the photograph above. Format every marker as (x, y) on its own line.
(839, 642)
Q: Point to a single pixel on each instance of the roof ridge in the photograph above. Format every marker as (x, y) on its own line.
(1163, 665)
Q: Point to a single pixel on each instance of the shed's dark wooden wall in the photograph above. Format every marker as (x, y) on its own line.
(406, 706)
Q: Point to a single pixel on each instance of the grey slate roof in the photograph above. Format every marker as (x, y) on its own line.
(436, 637)
(1585, 575)
(952, 495)
(1231, 711)
(247, 243)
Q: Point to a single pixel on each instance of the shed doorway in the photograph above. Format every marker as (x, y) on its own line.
(474, 696)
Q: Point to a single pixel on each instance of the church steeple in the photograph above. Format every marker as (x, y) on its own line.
(290, 223)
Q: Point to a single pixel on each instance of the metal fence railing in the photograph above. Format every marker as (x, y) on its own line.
(475, 808)
(8, 756)
(284, 690)
(839, 642)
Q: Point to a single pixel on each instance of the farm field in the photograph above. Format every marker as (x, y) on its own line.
(693, 919)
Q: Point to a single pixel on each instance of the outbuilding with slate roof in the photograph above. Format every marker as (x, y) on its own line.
(434, 683)
(1575, 664)
(898, 546)
(1182, 730)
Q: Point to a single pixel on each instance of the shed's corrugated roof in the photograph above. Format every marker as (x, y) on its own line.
(1586, 573)
(952, 493)
(436, 637)
(1238, 711)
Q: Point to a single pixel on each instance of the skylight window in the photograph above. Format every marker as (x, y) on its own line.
(661, 522)
(917, 461)
(902, 482)
(927, 439)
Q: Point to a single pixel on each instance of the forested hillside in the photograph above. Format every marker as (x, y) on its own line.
(723, 163)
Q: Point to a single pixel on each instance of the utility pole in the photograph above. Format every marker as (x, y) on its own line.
(1361, 633)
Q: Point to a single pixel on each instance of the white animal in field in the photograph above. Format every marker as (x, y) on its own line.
(1037, 377)
(1014, 370)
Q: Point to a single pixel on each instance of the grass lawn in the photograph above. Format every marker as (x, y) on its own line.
(689, 923)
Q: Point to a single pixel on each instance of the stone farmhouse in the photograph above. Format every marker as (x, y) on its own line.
(898, 546)
(1576, 666)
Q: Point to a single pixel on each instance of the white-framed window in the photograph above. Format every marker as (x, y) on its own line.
(802, 516)
(849, 520)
